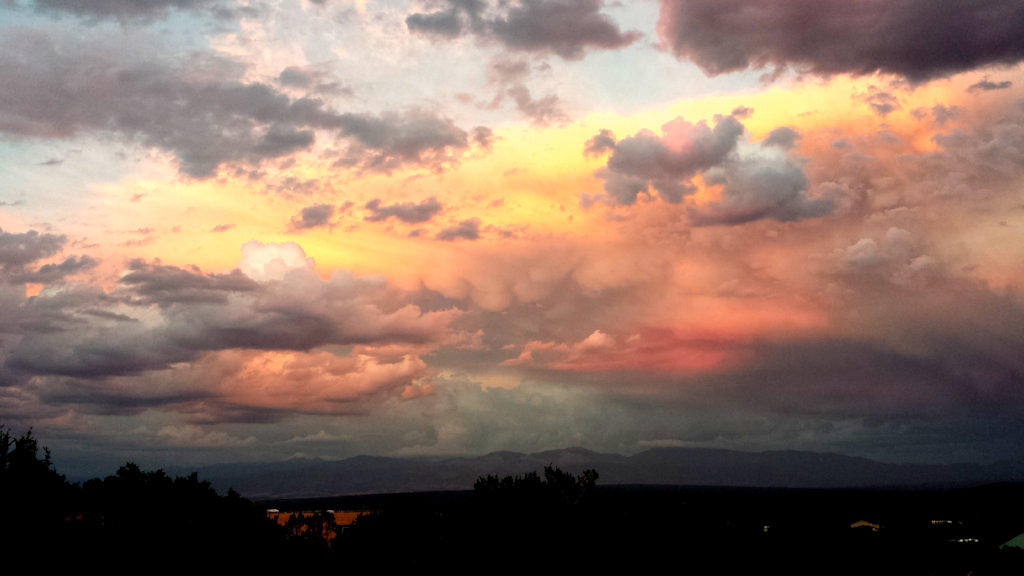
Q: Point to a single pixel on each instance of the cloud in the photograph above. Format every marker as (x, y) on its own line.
(132, 10)
(783, 137)
(465, 230)
(667, 162)
(273, 261)
(547, 110)
(483, 137)
(19, 252)
(882, 103)
(389, 141)
(754, 181)
(154, 283)
(192, 435)
(205, 120)
(443, 23)
(987, 86)
(601, 143)
(296, 77)
(51, 273)
(407, 212)
(567, 28)
(916, 39)
(510, 76)
(180, 314)
(312, 217)
(756, 188)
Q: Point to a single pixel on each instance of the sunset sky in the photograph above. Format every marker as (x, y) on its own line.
(240, 230)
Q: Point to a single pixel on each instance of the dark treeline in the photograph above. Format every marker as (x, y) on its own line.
(131, 515)
(550, 521)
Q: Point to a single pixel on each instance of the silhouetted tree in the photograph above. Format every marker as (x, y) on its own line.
(34, 499)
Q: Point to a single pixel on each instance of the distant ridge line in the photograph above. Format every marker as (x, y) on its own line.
(682, 466)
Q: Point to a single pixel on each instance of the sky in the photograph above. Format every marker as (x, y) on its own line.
(254, 230)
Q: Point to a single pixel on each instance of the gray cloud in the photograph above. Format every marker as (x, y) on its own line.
(297, 77)
(167, 285)
(465, 230)
(567, 28)
(483, 137)
(603, 142)
(756, 183)
(986, 86)
(916, 39)
(942, 113)
(443, 23)
(205, 121)
(163, 315)
(882, 103)
(783, 137)
(407, 212)
(666, 163)
(546, 110)
(18, 250)
(50, 273)
(143, 10)
(759, 188)
(389, 141)
(510, 76)
(313, 216)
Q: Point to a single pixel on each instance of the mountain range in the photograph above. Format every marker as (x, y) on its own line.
(308, 478)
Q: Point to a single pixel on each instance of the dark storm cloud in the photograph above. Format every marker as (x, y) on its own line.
(313, 216)
(407, 212)
(465, 230)
(567, 28)
(916, 39)
(205, 121)
(987, 85)
(165, 285)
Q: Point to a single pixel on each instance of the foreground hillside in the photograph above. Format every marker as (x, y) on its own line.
(555, 520)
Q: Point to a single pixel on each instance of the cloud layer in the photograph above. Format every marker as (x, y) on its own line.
(915, 39)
